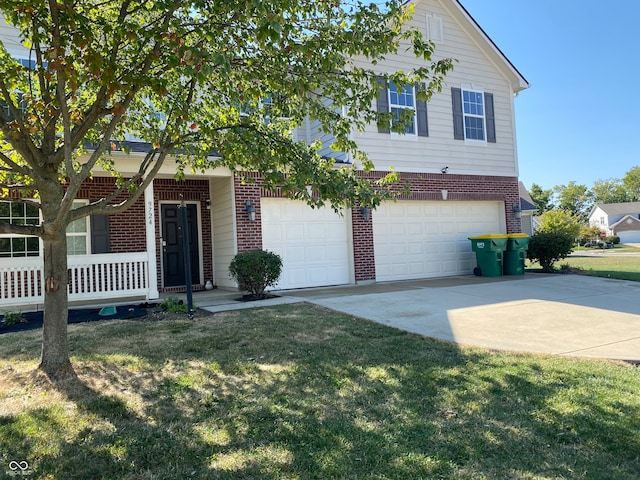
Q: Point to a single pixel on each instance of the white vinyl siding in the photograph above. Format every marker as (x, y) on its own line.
(473, 68)
(223, 228)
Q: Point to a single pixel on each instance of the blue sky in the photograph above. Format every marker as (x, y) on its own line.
(580, 120)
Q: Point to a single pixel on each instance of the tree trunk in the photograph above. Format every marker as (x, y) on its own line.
(55, 362)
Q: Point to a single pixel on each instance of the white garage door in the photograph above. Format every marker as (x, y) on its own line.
(313, 243)
(419, 239)
(631, 236)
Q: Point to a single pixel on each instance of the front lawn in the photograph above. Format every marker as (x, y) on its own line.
(607, 266)
(621, 262)
(300, 392)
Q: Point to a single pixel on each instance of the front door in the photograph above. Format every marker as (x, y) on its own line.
(172, 248)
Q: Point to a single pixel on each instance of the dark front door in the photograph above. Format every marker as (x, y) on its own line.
(172, 248)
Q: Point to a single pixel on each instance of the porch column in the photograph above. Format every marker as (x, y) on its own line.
(150, 222)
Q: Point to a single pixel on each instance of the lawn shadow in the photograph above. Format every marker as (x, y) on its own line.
(303, 392)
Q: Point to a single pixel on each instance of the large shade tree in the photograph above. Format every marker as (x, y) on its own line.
(631, 182)
(543, 199)
(190, 78)
(574, 198)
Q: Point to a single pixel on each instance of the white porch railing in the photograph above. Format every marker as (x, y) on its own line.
(91, 277)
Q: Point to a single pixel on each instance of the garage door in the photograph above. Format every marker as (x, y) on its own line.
(632, 236)
(313, 243)
(430, 239)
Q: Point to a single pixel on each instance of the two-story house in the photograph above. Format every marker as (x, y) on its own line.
(458, 156)
(621, 219)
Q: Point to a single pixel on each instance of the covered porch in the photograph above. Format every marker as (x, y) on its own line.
(136, 262)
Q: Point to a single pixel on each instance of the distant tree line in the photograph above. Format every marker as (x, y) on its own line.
(579, 199)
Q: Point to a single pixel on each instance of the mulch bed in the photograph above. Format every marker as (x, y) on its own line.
(33, 320)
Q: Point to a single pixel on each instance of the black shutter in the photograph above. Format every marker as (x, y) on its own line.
(458, 117)
(100, 234)
(421, 113)
(383, 103)
(490, 117)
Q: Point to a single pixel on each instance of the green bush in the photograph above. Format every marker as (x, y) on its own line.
(547, 248)
(560, 221)
(612, 239)
(255, 270)
(174, 305)
(12, 318)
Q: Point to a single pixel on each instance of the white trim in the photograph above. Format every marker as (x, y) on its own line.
(486, 44)
(474, 141)
(401, 107)
(91, 277)
(435, 34)
(86, 233)
(150, 234)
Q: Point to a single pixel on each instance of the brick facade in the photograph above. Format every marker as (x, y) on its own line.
(127, 231)
(421, 186)
(363, 253)
(249, 234)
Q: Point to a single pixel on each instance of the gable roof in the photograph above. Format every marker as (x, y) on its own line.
(619, 208)
(526, 202)
(484, 42)
(626, 219)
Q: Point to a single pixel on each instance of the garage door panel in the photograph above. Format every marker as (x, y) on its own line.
(630, 236)
(415, 249)
(313, 243)
(429, 239)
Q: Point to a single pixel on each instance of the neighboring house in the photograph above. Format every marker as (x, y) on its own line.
(621, 219)
(459, 159)
(527, 210)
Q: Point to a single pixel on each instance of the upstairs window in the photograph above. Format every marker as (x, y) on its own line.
(473, 108)
(473, 116)
(402, 105)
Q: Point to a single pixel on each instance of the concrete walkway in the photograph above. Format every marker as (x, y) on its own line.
(569, 315)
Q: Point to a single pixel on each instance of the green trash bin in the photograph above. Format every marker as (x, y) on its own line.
(489, 250)
(516, 253)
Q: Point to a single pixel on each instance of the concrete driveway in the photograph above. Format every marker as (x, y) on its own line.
(569, 315)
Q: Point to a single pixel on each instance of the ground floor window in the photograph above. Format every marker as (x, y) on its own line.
(78, 239)
(19, 213)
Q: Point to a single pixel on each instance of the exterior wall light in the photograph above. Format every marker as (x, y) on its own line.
(366, 213)
(517, 211)
(251, 211)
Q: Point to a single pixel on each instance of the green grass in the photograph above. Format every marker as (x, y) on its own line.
(610, 263)
(300, 392)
